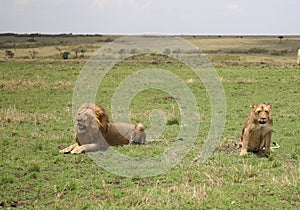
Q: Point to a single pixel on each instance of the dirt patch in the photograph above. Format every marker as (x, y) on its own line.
(229, 145)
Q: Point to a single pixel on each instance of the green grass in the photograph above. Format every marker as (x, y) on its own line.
(36, 121)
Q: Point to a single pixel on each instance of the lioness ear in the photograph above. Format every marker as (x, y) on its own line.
(269, 105)
(253, 106)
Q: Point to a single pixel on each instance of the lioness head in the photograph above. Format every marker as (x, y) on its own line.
(261, 113)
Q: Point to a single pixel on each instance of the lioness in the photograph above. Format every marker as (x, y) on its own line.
(94, 131)
(257, 130)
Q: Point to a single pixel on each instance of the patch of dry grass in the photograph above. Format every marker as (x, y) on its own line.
(28, 84)
(14, 115)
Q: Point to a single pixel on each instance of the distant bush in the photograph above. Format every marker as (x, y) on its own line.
(196, 51)
(173, 121)
(279, 52)
(167, 51)
(249, 51)
(65, 55)
(82, 51)
(258, 50)
(108, 40)
(9, 54)
(122, 53)
(177, 51)
(76, 51)
(236, 51)
(134, 51)
(79, 50)
(31, 39)
(212, 51)
(33, 54)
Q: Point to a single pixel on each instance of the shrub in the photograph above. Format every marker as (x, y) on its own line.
(108, 40)
(177, 51)
(65, 55)
(33, 53)
(258, 50)
(236, 51)
(31, 39)
(9, 54)
(279, 52)
(167, 51)
(134, 51)
(173, 121)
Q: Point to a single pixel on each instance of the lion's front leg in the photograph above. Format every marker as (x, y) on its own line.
(267, 140)
(69, 148)
(245, 142)
(86, 148)
(77, 150)
(244, 151)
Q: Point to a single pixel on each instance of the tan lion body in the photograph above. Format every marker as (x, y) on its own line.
(257, 130)
(95, 132)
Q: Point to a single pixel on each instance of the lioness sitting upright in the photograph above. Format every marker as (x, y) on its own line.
(257, 130)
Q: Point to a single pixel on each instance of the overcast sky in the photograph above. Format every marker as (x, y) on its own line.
(254, 17)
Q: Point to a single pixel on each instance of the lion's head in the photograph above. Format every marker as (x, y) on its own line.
(261, 113)
(85, 121)
(91, 123)
(89, 116)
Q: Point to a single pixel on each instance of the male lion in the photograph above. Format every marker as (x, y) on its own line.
(257, 130)
(95, 132)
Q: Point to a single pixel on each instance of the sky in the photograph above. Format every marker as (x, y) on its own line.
(197, 17)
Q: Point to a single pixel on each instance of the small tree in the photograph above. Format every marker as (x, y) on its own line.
(76, 51)
(65, 55)
(33, 54)
(9, 54)
(82, 53)
(122, 53)
(79, 50)
(177, 52)
(280, 38)
(133, 51)
(167, 51)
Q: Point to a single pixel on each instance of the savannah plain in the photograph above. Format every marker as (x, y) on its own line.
(38, 74)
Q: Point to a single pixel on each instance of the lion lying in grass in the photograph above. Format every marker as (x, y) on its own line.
(95, 132)
(257, 130)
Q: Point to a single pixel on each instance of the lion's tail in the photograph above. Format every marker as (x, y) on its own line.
(276, 146)
(139, 127)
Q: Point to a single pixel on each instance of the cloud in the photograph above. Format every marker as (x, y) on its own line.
(142, 5)
(100, 3)
(135, 4)
(22, 2)
(232, 6)
(232, 9)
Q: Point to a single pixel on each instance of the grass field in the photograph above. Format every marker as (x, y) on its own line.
(36, 121)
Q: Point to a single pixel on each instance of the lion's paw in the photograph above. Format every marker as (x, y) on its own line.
(243, 152)
(77, 150)
(64, 151)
